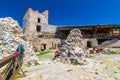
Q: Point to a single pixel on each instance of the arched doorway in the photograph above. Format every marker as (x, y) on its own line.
(89, 44)
(43, 46)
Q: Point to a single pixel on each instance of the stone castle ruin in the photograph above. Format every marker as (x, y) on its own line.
(40, 33)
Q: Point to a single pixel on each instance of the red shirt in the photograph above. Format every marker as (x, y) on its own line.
(57, 52)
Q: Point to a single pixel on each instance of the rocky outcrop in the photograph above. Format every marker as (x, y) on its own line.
(10, 37)
(73, 50)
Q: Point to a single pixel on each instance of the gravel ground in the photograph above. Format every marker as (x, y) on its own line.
(99, 67)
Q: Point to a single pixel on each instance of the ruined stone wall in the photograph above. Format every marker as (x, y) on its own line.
(94, 42)
(50, 43)
(10, 37)
(30, 23)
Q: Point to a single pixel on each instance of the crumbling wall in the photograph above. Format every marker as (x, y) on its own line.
(10, 37)
(74, 49)
(50, 43)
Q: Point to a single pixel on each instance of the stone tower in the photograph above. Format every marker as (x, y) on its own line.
(35, 22)
(37, 30)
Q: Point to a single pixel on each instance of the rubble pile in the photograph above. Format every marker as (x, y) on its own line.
(110, 43)
(10, 37)
(73, 50)
(115, 44)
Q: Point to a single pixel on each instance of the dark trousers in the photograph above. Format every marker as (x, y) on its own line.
(56, 56)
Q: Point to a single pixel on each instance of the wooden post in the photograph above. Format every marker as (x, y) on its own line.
(11, 69)
(0, 77)
(14, 69)
(20, 67)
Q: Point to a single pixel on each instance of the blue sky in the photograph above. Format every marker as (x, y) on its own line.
(66, 12)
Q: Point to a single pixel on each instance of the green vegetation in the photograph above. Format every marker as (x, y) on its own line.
(15, 79)
(17, 74)
(36, 63)
(115, 71)
(28, 64)
(69, 70)
(38, 50)
(96, 73)
(112, 52)
(76, 63)
(25, 71)
(106, 67)
(94, 46)
(46, 54)
(90, 56)
(4, 71)
(119, 68)
(24, 38)
(101, 62)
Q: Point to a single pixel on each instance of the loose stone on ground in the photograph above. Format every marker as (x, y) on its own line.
(101, 67)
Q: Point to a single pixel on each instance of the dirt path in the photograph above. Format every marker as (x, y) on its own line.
(99, 67)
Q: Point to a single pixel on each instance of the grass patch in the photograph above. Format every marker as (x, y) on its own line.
(24, 38)
(69, 70)
(15, 79)
(17, 74)
(36, 63)
(4, 71)
(26, 71)
(116, 51)
(76, 63)
(90, 56)
(28, 64)
(101, 62)
(96, 73)
(45, 54)
(112, 53)
(119, 68)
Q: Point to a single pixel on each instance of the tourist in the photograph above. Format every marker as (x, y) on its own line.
(34, 48)
(57, 53)
(21, 50)
(59, 45)
(42, 48)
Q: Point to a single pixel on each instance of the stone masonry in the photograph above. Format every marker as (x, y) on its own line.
(37, 30)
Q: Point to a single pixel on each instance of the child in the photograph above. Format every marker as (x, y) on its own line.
(57, 54)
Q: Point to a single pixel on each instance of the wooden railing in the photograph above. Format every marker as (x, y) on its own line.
(12, 65)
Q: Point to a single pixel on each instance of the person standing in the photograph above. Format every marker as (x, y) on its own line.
(21, 50)
(57, 53)
(42, 48)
